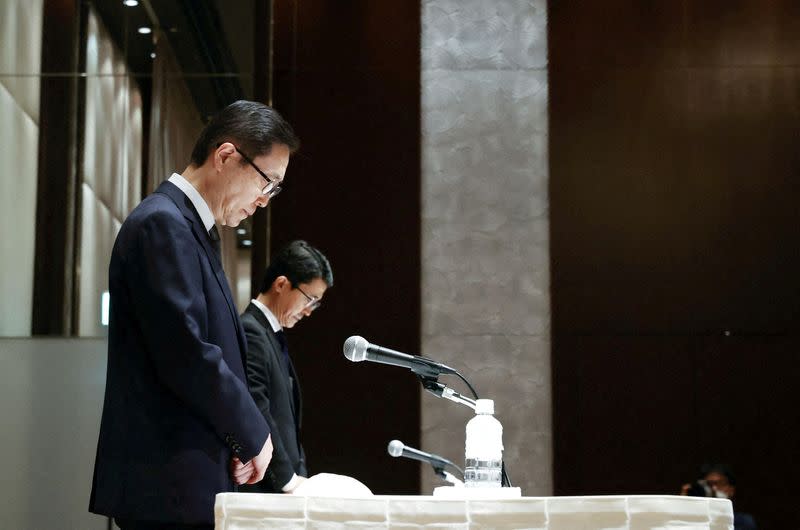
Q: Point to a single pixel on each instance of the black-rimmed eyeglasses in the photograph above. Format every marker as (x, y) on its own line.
(273, 186)
(313, 302)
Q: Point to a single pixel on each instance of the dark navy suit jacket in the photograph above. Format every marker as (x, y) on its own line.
(274, 386)
(176, 404)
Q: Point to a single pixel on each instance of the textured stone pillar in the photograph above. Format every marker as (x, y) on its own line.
(485, 257)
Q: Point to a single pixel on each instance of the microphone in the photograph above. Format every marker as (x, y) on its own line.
(397, 448)
(357, 349)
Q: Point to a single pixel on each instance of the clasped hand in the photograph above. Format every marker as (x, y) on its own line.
(253, 471)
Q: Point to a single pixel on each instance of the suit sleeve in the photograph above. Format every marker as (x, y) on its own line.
(168, 293)
(260, 380)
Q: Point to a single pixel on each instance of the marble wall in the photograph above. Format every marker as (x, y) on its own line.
(485, 257)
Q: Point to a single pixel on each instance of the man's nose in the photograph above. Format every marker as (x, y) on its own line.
(262, 201)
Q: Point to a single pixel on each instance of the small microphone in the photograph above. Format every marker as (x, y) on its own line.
(357, 349)
(397, 448)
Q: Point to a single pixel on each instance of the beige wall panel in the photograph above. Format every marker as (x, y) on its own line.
(133, 160)
(102, 139)
(112, 156)
(20, 64)
(19, 139)
(112, 168)
(98, 231)
(21, 52)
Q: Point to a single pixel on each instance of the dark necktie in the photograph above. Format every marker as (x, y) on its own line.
(284, 347)
(214, 235)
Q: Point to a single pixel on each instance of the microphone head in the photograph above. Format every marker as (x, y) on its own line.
(395, 448)
(355, 348)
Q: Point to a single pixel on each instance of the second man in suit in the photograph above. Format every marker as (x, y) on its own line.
(292, 288)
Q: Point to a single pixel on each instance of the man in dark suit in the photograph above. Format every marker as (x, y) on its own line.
(293, 287)
(178, 424)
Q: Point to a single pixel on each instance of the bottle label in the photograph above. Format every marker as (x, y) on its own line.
(482, 473)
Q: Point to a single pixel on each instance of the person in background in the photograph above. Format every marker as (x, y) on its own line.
(719, 481)
(292, 288)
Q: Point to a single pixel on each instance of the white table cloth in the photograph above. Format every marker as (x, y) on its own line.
(249, 511)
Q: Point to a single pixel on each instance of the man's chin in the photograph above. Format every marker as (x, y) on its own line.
(291, 323)
(233, 222)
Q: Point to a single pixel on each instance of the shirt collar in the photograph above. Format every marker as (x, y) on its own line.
(197, 200)
(273, 320)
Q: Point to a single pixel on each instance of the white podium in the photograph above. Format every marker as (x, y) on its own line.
(250, 511)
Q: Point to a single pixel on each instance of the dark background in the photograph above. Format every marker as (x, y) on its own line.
(346, 75)
(674, 161)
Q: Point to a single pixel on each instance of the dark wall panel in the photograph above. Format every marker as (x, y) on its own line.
(57, 191)
(347, 77)
(674, 133)
(639, 414)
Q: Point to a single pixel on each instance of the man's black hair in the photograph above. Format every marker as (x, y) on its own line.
(300, 263)
(723, 469)
(251, 126)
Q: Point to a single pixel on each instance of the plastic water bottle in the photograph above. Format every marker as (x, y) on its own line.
(484, 448)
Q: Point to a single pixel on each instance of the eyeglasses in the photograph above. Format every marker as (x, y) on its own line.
(273, 186)
(313, 302)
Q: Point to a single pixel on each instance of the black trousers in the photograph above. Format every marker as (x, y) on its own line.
(127, 524)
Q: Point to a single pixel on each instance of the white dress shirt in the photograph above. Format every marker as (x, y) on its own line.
(198, 201)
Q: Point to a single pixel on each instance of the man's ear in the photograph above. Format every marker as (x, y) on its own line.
(281, 284)
(221, 154)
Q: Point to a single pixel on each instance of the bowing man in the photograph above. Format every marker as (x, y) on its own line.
(178, 423)
(292, 288)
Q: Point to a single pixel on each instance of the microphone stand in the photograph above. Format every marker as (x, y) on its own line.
(432, 385)
(447, 477)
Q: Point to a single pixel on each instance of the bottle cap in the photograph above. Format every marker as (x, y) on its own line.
(484, 406)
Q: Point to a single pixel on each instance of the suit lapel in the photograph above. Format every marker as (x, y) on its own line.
(294, 386)
(273, 340)
(201, 235)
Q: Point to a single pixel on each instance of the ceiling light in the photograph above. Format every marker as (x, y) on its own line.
(153, 55)
(144, 30)
(131, 3)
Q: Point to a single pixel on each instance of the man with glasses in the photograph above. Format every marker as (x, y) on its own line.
(178, 424)
(292, 288)
(719, 481)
